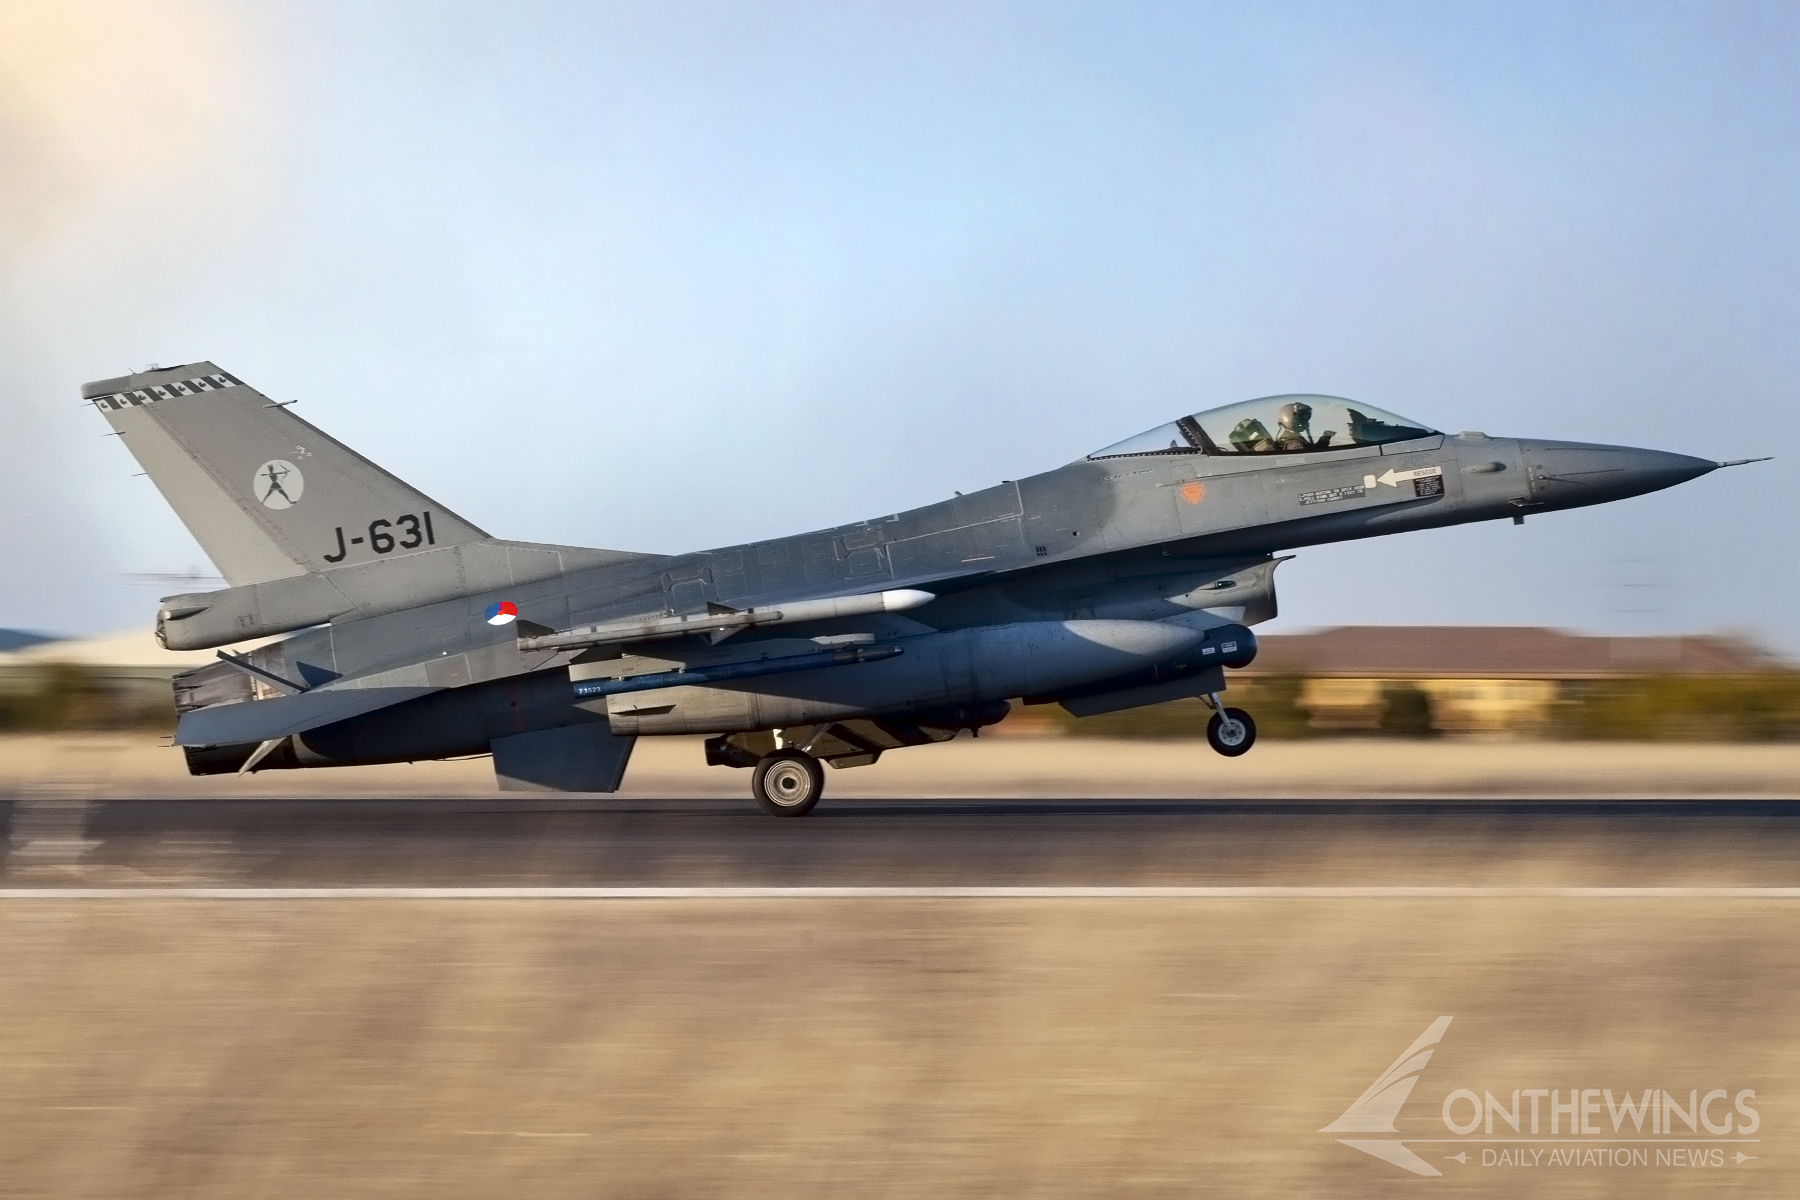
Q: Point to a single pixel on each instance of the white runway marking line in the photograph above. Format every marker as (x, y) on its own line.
(520, 1133)
(879, 892)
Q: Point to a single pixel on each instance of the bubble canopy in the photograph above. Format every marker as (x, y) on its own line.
(1273, 425)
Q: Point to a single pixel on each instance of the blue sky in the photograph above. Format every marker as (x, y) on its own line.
(667, 276)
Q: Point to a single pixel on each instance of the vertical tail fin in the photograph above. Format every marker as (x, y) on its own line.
(266, 495)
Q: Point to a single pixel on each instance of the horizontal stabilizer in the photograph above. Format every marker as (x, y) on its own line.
(260, 720)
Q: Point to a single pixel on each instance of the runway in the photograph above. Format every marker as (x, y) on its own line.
(1471, 847)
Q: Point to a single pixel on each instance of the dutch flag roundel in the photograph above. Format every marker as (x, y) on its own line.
(503, 613)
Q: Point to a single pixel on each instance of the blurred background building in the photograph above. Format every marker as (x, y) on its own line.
(1494, 679)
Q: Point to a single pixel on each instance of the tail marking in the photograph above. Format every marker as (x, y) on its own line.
(166, 391)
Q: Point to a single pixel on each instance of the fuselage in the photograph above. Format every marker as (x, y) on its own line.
(1035, 572)
(1055, 544)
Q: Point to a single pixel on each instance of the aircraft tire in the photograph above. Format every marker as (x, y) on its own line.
(1231, 742)
(787, 783)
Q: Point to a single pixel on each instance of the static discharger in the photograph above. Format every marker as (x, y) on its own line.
(727, 623)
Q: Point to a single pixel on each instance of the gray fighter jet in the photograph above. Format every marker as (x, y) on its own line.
(1128, 577)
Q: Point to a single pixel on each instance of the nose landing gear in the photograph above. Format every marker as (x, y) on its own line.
(787, 783)
(1231, 731)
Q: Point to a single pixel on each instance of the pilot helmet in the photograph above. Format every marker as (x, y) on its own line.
(1294, 415)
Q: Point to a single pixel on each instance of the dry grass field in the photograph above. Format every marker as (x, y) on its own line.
(792, 1049)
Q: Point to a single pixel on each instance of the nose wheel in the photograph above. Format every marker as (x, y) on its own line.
(1231, 731)
(787, 783)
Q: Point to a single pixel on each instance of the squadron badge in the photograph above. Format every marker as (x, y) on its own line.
(278, 484)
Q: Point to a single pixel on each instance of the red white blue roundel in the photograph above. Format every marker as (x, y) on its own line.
(503, 613)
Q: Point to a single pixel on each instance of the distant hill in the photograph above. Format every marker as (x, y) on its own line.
(18, 639)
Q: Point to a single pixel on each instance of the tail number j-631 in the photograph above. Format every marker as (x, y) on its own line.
(384, 537)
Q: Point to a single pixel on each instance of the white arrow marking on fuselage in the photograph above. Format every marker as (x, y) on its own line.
(1392, 477)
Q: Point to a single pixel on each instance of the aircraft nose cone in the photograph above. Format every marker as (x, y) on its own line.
(1571, 473)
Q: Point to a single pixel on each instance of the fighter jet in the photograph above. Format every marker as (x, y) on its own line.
(1130, 576)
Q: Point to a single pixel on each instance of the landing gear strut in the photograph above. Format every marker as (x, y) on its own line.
(1231, 731)
(787, 783)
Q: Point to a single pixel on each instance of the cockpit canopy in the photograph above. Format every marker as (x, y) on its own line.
(1273, 425)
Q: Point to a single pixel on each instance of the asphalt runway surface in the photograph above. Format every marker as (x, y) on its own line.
(590, 842)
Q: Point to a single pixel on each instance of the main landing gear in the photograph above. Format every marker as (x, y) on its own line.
(787, 783)
(1231, 731)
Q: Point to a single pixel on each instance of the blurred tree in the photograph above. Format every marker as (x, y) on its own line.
(1750, 708)
(1408, 712)
(68, 696)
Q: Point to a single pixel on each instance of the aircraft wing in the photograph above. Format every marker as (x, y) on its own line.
(260, 720)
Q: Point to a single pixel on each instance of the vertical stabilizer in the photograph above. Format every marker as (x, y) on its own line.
(265, 494)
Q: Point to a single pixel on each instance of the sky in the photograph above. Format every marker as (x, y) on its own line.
(666, 276)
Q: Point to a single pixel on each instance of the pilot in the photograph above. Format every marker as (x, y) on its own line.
(1293, 428)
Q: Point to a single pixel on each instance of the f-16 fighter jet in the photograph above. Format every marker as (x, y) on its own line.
(1128, 577)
